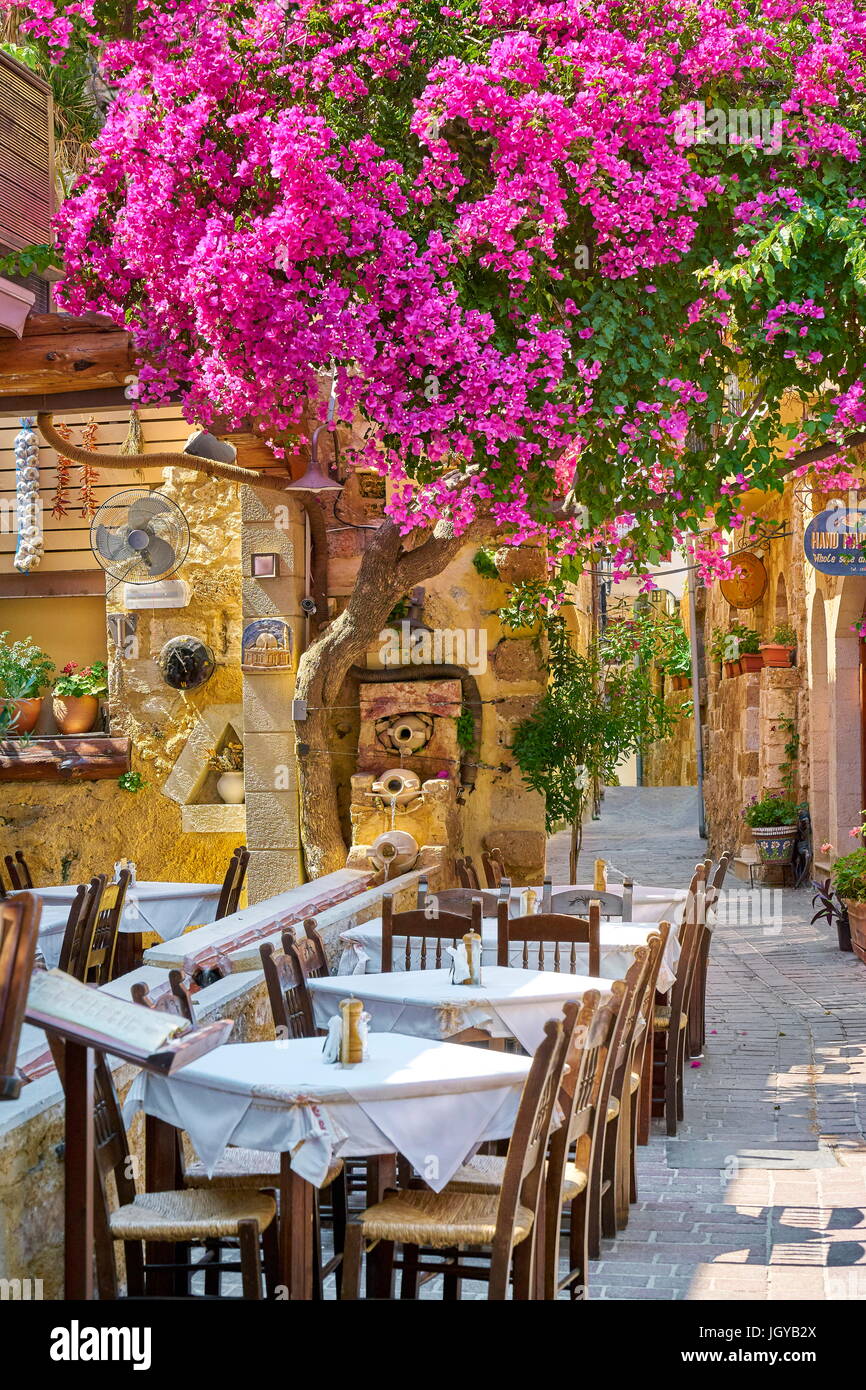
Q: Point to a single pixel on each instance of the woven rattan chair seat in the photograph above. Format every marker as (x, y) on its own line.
(439, 1219)
(484, 1173)
(191, 1215)
(240, 1169)
(662, 1018)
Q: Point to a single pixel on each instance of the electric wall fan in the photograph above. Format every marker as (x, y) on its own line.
(139, 536)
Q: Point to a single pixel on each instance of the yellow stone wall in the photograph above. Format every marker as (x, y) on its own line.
(70, 832)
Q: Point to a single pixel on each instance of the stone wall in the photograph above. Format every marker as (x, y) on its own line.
(672, 762)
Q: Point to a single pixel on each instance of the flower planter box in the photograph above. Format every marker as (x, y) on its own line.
(857, 924)
(681, 682)
(775, 843)
(751, 661)
(776, 655)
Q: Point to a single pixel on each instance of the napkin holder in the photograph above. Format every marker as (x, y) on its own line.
(466, 961)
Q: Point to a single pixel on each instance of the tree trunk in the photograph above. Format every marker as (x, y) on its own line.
(387, 572)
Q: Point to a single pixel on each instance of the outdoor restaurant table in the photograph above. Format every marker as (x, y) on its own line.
(433, 1102)
(151, 906)
(362, 949)
(507, 1004)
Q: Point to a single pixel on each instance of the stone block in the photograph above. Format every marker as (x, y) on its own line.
(269, 762)
(214, 818)
(272, 820)
(272, 871)
(751, 730)
(522, 849)
(747, 764)
(271, 540)
(272, 598)
(268, 702)
(516, 660)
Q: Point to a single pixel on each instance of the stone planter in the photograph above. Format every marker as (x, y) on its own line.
(776, 655)
(28, 712)
(775, 843)
(230, 786)
(75, 714)
(857, 924)
(751, 661)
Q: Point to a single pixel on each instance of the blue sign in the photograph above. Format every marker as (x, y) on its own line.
(835, 540)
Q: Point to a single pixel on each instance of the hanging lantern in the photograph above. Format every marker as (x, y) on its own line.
(29, 550)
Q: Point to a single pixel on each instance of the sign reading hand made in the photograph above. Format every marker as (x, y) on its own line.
(835, 540)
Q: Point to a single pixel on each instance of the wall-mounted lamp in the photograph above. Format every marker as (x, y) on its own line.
(315, 480)
(264, 565)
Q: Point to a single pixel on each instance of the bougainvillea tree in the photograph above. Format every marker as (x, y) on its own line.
(586, 269)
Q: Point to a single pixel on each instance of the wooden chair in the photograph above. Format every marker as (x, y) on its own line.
(467, 874)
(551, 934)
(99, 957)
(178, 1001)
(310, 949)
(577, 901)
(233, 883)
(183, 1217)
(80, 926)
(698, 1007)
(494, 867)
(459, 901)
(670, 1029)
(635, 1096)
(19, 874)
(445, 929)
(19, 930)
(501, 1227)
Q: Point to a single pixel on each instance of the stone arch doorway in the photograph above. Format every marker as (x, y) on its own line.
(819, 734)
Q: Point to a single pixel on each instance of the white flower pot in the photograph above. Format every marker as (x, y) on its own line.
(230, 786)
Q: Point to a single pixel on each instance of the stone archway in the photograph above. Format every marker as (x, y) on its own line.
(819, 722)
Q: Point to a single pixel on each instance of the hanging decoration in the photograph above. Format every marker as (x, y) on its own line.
(28, 553)
(134, 441)
(60, 502)
(89, 474)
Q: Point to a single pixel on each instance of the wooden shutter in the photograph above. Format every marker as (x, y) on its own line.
(26, 157)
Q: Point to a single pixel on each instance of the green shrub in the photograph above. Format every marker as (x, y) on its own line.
(849, 876)
(770, 811)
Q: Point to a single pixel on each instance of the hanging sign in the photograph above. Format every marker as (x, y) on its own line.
(835, 540)
(746, 587)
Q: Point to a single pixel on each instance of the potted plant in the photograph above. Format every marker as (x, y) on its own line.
(24, 672)
(678, 662)
(780, 651)
(77, 692)
(722, 651)
(749, 647)
(228, 761)
(832, 910)
(773, 823)
(849, 880)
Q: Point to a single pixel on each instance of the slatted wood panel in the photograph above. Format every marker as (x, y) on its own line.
(26, 156)
(67, 539)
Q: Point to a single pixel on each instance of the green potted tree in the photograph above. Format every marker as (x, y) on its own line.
(24, 672)
(849, 880)
(773, 823)
(748, 646)
(678, 661)
(780, 652)
(723, 649)
(77, 692)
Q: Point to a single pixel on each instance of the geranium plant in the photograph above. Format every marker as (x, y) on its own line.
(25, 669)
(770, 810)
(747, 639)
(76, 681)
(785, 636)
(849, 876)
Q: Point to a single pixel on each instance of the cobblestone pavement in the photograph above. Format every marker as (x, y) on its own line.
(762, 1195)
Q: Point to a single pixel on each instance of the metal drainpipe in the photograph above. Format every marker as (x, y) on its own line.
(471, 698)
(696, 701)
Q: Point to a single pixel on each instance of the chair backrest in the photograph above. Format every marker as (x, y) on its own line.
(80, 924)
(553, 938)
(445, 929)
(291, 1006)
(178, 1001)
(692, 934)
(577, 900)
(467, 874)
(718, 879)
(310, 949)
(494, 867)
(459, 901)
(233, 883)
(102, 949)
(523, 1177)
(19, 928)
(19, 874)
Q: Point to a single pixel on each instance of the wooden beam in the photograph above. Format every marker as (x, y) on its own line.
(74, 584)
(38, 325)
(76, 758)
(55, 362)
(63, 402)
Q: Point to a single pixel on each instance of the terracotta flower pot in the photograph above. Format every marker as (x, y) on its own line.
(75, 714)
(231, 788)
(682, 682)
(751, 661)
(857, 924)
(775, 843)
(775, 654)
(728, 668)
(27, 712)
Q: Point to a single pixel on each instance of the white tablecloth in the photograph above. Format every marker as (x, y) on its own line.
(649, 904)
(507, 1004)
(362, 950)
(433, 1102)
(165, 908)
